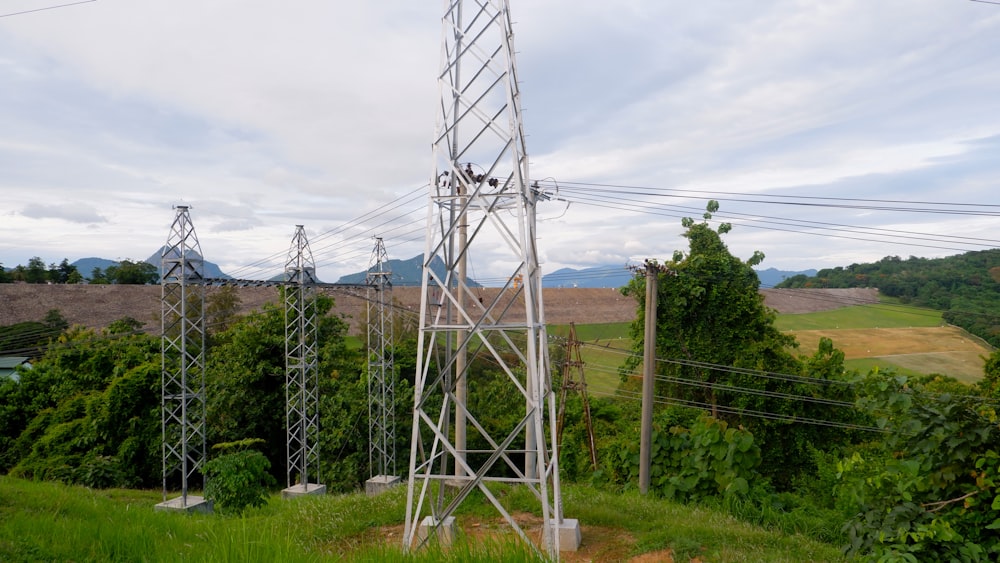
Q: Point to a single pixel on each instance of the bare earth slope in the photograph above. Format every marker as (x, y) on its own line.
(98, 305)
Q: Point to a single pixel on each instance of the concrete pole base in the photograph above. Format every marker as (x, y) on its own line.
(381, 483)
(302, 490)
(192, 505)
(569, 534)
(445, 530)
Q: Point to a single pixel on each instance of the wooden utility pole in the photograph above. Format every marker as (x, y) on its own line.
(648, 377)
(574, 363)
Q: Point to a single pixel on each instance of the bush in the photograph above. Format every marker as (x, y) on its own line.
(238, 480)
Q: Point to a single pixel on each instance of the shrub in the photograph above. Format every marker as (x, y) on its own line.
(238, 480)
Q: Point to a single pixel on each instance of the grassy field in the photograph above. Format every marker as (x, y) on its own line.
(604, 348)
(883, 315)
(53, 522)
(907, 339)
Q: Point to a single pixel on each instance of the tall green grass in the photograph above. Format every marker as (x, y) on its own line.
(53, 522)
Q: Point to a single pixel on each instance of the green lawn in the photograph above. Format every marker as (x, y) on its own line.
(53, 522)
(883, 315)
(865, 365)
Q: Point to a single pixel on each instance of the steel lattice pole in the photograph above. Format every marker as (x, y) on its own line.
(481, 204)
(182, 354)
(301, 373)
(381, 378)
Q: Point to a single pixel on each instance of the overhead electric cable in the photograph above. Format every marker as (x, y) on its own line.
(46, 8)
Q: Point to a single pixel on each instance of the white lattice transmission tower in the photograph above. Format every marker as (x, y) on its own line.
(182, 356)
(301, 369)
(381, 371)
(481, 207)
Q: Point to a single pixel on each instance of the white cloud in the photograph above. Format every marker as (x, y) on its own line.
(264, 116)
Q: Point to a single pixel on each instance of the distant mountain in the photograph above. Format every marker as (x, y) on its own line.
(86, 265)
(612, 275)
(212, 270)
(405, 272)
(618, 275)
(772, 277)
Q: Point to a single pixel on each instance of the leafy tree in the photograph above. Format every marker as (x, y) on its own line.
(245, 383)
(4, 276)
(35, 272)
(133, 273)
(222, 307)
(246, 378)
(715, 338)
(64, 273)
(98, 277)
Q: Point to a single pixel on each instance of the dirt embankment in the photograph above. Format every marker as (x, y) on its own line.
(815, 300)
(97, 306)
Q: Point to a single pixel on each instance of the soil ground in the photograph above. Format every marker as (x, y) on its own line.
(598, 543)
(96, 306)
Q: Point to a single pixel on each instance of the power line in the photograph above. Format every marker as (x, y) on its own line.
(636, 396)
(778, 198)
(47, 8)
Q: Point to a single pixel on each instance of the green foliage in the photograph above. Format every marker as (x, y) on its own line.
(87, 412)
(245, 376)
(133, 273)
(239, 479)
(706, 460)
(37, 272)
(929, 491)
(989, 386)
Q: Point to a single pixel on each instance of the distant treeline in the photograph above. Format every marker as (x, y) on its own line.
(965, 286)
(124, 272)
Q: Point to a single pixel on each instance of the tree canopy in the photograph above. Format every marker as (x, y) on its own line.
(717, 349)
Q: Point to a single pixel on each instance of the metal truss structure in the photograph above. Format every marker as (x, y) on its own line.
(481, 205)
(381, 376)
(301, 370)
(182, 355)
(574, 379)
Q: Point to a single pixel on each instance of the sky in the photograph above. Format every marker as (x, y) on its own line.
(812, 123)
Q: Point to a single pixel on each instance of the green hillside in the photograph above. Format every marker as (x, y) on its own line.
(966, 286)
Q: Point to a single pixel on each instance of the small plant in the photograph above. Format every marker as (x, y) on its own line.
(238, 479)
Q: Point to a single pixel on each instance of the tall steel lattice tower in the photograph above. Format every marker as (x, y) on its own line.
(182, 359)
(381, 377)
(301, 370)
(480, 205)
